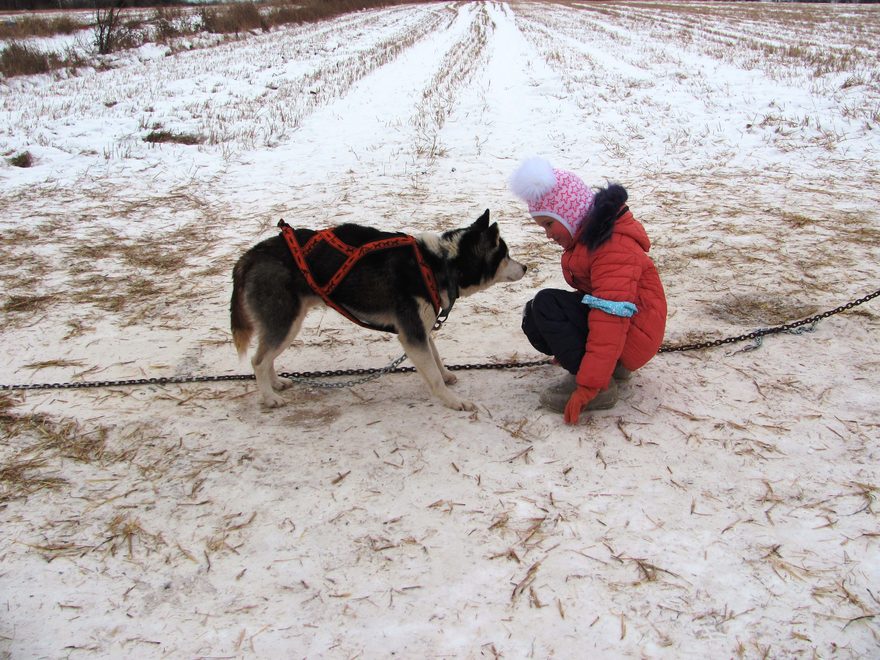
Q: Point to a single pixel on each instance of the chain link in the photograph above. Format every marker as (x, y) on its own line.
(365, 375)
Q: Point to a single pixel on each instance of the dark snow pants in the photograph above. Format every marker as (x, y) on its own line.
(555, 323)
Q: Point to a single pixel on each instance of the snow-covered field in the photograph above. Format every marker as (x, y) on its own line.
(727, 507)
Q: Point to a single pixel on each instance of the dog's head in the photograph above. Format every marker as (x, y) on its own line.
(480, 256)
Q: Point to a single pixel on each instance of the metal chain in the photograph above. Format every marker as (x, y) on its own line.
(758, 334)
(305, 377)
(372, 374)
(308, 377)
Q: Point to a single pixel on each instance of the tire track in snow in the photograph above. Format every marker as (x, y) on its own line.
(455, 71)
(516, 105)
(687, 103)
(282, 108)
(364, 144)
(214, 92)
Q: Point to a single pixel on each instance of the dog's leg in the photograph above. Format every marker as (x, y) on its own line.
(414, 332)
(448, 377)
(423, 357)
(268, 381)
(279, 383)
(264, 371)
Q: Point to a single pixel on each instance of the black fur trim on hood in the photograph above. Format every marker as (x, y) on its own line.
(599, 223)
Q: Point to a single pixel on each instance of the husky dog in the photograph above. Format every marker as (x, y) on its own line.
(385, 290)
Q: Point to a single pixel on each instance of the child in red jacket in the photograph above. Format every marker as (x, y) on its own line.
(614, 321)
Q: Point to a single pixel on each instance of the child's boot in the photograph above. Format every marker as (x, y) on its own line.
(605, 399)
(556, 396)
(621, 373)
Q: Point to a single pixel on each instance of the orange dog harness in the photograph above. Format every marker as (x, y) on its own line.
(353, 255)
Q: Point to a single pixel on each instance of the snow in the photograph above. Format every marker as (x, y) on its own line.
(725, 507)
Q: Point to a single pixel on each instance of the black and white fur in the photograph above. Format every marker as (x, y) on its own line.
(270, 296)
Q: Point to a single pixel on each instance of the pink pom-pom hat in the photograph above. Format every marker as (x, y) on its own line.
(557, 194)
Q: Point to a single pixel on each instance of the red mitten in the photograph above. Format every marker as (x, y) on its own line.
(579, 398)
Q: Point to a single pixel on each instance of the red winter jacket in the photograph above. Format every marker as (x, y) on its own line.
(620, 270)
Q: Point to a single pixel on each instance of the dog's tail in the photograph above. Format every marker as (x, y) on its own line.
(242, 328)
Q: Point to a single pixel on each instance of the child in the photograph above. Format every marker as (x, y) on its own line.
(618, 326)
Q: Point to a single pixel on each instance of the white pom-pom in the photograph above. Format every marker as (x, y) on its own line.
(533, 180)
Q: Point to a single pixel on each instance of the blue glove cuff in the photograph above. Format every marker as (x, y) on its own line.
(610, 306)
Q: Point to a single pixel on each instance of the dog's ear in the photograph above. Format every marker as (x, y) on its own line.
(482, 223)
(493, 235)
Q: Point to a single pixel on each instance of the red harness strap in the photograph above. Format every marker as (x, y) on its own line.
(353, 255)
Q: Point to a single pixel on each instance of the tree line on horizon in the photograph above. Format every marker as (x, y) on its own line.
(25, 5)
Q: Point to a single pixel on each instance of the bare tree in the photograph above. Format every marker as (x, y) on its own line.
(108, 26)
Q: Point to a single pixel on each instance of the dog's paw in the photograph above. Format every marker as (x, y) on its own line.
(279, 383)
(449, 378)
(272, 401)
(459, 404)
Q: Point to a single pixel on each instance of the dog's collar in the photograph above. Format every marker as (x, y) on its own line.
(452, 292)
(452, 289)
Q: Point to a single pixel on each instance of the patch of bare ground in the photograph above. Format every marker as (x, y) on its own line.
(137, 259)
(102, 481)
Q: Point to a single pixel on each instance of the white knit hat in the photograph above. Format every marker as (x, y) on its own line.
(558, 194)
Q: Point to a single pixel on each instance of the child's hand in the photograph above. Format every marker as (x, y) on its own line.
(579, 398)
